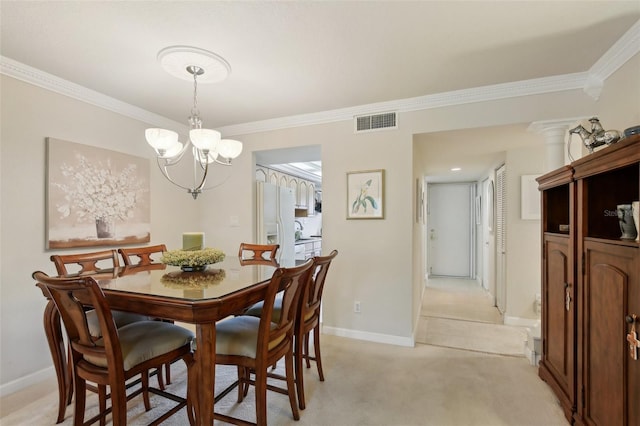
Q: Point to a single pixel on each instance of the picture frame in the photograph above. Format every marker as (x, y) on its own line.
(529, 198)
(365, 194)
(95, 197)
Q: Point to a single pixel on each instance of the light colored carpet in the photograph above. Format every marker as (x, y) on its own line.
(459, 299)
(368, 384)
(473, 336)
(375, 384)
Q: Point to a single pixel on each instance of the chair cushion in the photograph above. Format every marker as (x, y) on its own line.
(144, 340)
(256, 310)
(120, 318)
(239, 336)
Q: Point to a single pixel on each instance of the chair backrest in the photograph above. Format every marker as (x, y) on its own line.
(71, 297)
(289, 281)
(258, 252)
(88, 263)
(312, 296)
(134, 256)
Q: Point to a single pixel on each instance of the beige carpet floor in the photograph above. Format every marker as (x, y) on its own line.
(367, 384)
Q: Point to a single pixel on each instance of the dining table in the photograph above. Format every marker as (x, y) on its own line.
(201, 298)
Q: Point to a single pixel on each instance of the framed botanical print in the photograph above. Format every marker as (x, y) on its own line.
(365, 194)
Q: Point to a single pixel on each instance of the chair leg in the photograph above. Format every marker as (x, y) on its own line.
(261, 397)
(102, 404)
(167, 372)
(291, 386)
(160, 381)
(306, 349)
(119, 403)
(145, 388)
(297, 357)
(316, 348)
(192, 400)
(242, 383)
(57, 348)
(81, 394)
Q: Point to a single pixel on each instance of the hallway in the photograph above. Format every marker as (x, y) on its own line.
(459, 313)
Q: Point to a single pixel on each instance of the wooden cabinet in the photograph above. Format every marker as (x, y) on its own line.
(591, 287)
(558, 361)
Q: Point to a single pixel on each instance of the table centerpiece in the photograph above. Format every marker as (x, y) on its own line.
(192, 260)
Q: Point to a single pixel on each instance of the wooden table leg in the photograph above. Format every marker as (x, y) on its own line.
(205, 369)
(58, 354)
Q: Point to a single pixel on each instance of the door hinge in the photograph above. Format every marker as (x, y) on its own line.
(583, 268)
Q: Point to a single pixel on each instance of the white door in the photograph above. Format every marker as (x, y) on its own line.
(449, 229)
(488, 240)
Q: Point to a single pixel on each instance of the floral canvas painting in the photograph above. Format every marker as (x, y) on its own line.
(95, 197)
(365, 194)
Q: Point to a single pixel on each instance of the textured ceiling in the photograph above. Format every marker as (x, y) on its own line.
(290, 58)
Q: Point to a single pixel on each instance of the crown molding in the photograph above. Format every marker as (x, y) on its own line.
(591, 82)
(622, 50)
(64, 87)
(439, 100)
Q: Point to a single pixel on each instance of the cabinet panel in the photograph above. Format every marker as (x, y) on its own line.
(610, 377)
(557, 366)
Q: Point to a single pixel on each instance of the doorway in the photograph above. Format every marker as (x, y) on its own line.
(450, 230)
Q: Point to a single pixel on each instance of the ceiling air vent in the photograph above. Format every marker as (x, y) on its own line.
(366, 123)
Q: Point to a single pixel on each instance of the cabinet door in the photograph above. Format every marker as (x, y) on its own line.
(610, 378)
(261, 174)
(557, 366)
(293, 184)
(302, 194)
(311, 197)
(274, 177)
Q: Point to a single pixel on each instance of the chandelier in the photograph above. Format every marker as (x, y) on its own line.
(206, 146)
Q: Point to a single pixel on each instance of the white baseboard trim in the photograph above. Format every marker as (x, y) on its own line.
(521, 322)
(368, 336)
(26, 381)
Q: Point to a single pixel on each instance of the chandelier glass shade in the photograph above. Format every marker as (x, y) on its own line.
(205, 145)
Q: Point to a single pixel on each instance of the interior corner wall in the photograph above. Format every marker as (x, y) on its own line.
(618, 107)
(523, 276)
(374, 261)
(29, 115)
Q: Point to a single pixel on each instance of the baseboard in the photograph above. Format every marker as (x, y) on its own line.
(368, 336)
(26, 381)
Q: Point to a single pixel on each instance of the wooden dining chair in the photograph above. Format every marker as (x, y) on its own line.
(85, 263)
(119, 355)
(93, 263)
(249, 251)
(254, 344)
(308, 319)
(141, 256)
(134, 257)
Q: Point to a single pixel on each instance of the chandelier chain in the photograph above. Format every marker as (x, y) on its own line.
(195, 120)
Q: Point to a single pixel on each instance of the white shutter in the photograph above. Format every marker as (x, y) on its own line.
(501, 209)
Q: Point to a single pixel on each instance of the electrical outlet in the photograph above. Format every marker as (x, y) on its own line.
(356, 307)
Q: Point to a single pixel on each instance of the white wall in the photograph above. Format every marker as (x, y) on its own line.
(29, 115)
(376, 264)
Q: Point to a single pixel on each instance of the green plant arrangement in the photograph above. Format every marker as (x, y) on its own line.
(192, 259)
(193, 280)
